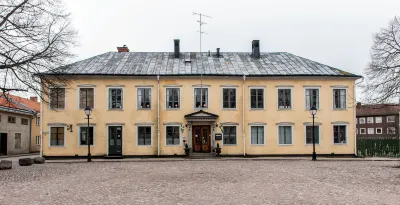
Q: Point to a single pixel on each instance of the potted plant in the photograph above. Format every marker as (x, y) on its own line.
(187, 149)
(218, 150)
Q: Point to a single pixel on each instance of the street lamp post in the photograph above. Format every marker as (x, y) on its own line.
(88, 111)
(313, 112)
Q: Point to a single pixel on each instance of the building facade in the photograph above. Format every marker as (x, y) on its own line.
(152, 104)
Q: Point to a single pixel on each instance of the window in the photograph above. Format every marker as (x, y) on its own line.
(379, 130)
(229, 133)
(309, 137)
(339, 134)
(115, 100)
(144, 135)
(228, 98)
(339, 98)
(362, 120)
(83, 135)
(284, 99)
(17, 141)
(362, 131)
(144, 98)
(57, 136)
(172, 98)
(57, 98)
(256, 98)
(24, 121)
(86, 94)
(37, 141)
(370, 120)
(37, 120)
(173, 135)
(257, 135)
(11, 119)
(391, 130)
(312, 98)
(370, 131)
(390, 119)
(203, 99)
(285, 135)
(378, 119)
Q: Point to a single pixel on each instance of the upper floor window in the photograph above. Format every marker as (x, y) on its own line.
(309, 134)
(38, 120)
(57, 136)
(57, 98)
(115, 100)
(228, 98)
(173, 100)
(144, 98)
(229, 134)
(362, 120)
(378, 119)
(312, 98)
(284, 98)
(339, 99)
(11, 119)
(24, 121)
(370, 120)
(86, 98)
(339, 134)
(256, 98)
(201, 102)
(390, 119)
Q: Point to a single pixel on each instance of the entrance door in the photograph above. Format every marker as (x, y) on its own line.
(201, 138)
(3, 143)
(115, 140)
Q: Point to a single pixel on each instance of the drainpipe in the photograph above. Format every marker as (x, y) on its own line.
(158, 115)
(354, 120)
(41, 119)
(243, 132)
(30, 136)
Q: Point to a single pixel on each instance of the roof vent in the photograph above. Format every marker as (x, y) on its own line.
(176, 48)
(218, 55)
(255, 48)
(187, 57)
(124, 48)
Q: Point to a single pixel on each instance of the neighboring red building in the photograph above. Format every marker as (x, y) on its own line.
(378, 120)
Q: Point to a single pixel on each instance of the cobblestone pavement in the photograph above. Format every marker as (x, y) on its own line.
(203, 182)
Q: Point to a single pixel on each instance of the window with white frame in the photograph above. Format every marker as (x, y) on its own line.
(201, 98)
(339, 134)
(228, 98)
(312, 98)
(86, 98)
(144, 135)
(309, 136)
(370, 120)
(285, 135)
(83, 135)
(37, 140)
(391, 130)
(378, 119)
(172, 137)
(37, 120)
(144, 98)
(362, 120)
(371, 131)
(284, 98)
(379, 130)
(256, 98)
(229, 133)
(257, 135)
(57, 98)
(172, 98)
(339, 98)
(57, 136)
(362, 131)
(115, 100)
(390, 119)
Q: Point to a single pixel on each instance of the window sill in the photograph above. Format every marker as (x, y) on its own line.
(339, 109)
(339, 144)
(230, 145)
(172, 109)
(143, 109)
(172, 145)
(229, 109)
(57, 146)
(57, 109)
(285, 144)
(145, 146)
(257, 109)
(112, 109)
(257, 145)
(284, 109)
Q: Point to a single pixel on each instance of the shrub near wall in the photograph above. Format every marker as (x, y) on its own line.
(374, 147)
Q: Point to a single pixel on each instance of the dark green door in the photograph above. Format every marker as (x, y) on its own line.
(115, 140)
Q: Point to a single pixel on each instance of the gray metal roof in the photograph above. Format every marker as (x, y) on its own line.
(190, 63)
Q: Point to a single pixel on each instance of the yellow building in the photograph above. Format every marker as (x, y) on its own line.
(152, 104)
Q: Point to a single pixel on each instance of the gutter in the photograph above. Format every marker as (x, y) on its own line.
(158, 115)
(243, 132)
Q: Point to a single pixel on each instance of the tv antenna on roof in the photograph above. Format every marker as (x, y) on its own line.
(201, 23)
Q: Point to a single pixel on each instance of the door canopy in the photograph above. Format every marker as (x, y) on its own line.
(201, 116)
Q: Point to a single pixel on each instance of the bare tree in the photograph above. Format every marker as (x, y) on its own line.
(35, 37)
(383, 72)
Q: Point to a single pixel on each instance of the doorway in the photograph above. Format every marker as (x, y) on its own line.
(201, 136)
(3, 143)
(115, 140)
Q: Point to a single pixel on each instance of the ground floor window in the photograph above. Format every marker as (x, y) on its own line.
(257, 135)
(57, 136)
(229, 135)
(144, 135)
(83, 135)
(285, 135)
(391, 130)
(37, 141)
(309, 136)
(172, 137)
(339, 134)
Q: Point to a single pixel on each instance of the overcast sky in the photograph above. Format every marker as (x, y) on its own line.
(337, 33)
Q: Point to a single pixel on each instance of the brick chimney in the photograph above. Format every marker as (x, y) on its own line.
(358, 105)
(123, 49)
(33, 98)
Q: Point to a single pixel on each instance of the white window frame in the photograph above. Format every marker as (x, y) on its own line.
(79, 135)
(94, 97)
(333, 99)
(151, 97)
(305, 96)
(333, 134)
(250, 135)
(151, 135)
(208, 99)
(256, 88)
(394, 131)
(165, 135)
(376, 121)
(394, 118)
(376, 130)
(277, 130)
(222, 98)
(65, 136)
(108, 98)
(37, 140)
(361, 131)
(305, 134)
(291, 97)
(236, 127)
(368, 131)
(362, 120)
(65, 98)
(38, 119)
(165, 101)
(372, 120)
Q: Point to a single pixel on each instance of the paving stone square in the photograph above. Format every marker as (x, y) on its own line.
(203, 182)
